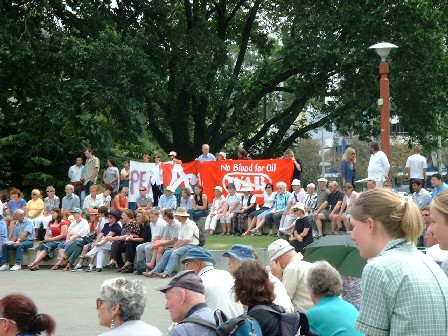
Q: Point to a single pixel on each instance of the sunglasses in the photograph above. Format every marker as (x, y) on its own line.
(7, 319)
(142, 189)
(35, 194)
(50, 190)
(99, 302)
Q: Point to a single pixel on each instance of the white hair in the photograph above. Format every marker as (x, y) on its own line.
(281, 184)
(311, 185)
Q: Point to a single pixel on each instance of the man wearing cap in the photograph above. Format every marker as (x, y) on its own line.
(22, 239)
(231, 204)
(185, 299)
(173, 160)
(218, 283)
(298, 195)
(287, 265)
(70, 200)
(188, 238)
(241, 253)
(168, 199)
(206, 155)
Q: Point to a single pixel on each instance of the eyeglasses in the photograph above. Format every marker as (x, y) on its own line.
(142, 189)
(50, 190)
(99, 302)
(34, 194)
(7, 319)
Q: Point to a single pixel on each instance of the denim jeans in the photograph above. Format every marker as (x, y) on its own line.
(195, 215)
(19, 250)
(170, 259)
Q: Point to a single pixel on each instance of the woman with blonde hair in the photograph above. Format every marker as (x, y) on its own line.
(348, 166)
(439, 226)
(399, 282)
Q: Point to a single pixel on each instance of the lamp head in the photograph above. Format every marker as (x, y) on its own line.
(383, 49)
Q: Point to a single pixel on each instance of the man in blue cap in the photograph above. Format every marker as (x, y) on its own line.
(241, 253)
(218, 283)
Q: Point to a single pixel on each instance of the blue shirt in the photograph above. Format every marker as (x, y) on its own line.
(439, 190)
(3, 232)
(167, 202)
(333, 316)
(209, 157)
(281, 201)
(26, 225)
(13, 206)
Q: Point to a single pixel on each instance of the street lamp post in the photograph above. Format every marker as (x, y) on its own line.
(383, 50)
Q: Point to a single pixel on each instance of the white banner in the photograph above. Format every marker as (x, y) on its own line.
(140, 176)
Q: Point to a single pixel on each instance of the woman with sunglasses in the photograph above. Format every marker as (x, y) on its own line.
(18, 316)
(35, 208)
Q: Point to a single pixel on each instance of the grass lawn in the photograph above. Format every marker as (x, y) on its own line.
(218, 242)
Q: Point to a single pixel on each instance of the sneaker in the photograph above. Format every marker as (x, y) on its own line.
(4, 267)
(253, 230)
(258, 233)
(16, 267)
(77, 268)
(89, 269)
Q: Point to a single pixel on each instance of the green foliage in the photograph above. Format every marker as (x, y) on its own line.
(136, 76)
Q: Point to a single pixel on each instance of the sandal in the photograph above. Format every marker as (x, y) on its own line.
(162, 275)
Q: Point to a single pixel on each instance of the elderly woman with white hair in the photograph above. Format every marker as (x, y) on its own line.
(120, 307)
(311, 199)
(331, 314)
(281, 202)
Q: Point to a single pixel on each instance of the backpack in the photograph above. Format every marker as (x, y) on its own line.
(291, 324)
(243, 325)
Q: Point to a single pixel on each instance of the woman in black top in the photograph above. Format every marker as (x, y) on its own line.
(303, 233)
(253, 288)
(200, 204)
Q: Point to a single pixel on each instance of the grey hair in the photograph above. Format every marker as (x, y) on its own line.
(323, 280)
(129, 294)
(70, 186)
(281, 184)
(19, 212)
(311, 185)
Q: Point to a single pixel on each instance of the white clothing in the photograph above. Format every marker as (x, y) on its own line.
(157, 174)
(215, 213)
(157, 229)
(100, 252)
(281, 296)
(189, 231)
(436, 253)
(105, 200)
(74, 173)
(90, 203)
(244, 200)
(133, 328)
(80, 228)
(231, 200)
(218, 291)
(416, 163)
(269, 200)
(378, 168)
(44, 220)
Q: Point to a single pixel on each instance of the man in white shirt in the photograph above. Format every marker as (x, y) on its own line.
(379, 166)
(187, 239)
(75, 175)
(218, 283)
(416, 166)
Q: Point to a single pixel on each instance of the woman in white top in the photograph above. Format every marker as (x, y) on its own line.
(256, 218)
(111, 175)
(216, 211)
(92, 201)
(350, 198)
(156, 179)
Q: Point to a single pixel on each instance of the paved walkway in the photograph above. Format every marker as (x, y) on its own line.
(70, 298)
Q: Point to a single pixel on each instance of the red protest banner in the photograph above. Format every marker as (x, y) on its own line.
(256, 173)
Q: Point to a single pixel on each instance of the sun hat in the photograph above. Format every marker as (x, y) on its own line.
(172, 153)
(218, 188)
(240, 252)
(278, 248)
(181, 212)
(185, 279)
(295, 182)
(299, 206)
(199, 253)
(222, 154)
(116, 214)
(170, 188)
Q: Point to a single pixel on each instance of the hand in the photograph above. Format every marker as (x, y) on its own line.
(276, 269)
(292, 238)
(299, 238)
(16, 243)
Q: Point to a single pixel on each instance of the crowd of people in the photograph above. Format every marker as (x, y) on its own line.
(401, 286)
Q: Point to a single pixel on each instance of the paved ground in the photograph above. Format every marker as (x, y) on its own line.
(70, 298)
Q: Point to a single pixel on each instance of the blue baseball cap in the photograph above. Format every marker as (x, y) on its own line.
(199, 253)
(240, 252)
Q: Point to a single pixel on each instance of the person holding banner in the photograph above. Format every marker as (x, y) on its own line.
(206, 155)
(156, 179)
(200, 204)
